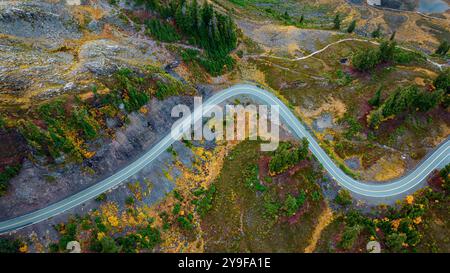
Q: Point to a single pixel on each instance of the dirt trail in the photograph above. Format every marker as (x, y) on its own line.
(439, 66)
(324, 220)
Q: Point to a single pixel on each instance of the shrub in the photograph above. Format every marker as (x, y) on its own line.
(443, 48)
(129, 201)
(7, 175)
(402, 56)
(290, 205)
(350, 236)
(271, 209)
(2, 122)
(165, 90)
(365, 60)
(177, 195)
(353, 126)
(251, 178)
(343, 78)
(204, 204)
(135, 100)
(185, 222)
(285, 157)
(150, 237)
(108, 245)
(445, 175)
(375, 118)
(176, 209)
(395, 241)
(343, 198)
(68, 233)
(102, 197)
(316, 196)
(217, 65)
(377, 32)
(87, 123)
(9, 245)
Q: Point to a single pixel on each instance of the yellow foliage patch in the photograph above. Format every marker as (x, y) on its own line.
(409, 199)
(23, 248)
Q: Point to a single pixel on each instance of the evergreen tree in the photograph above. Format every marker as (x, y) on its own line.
(194, 18)
(444, 47)
(337, 21)
(365, 60)
(443, 81)
(400, 100)
(351, 27)
(375, 118)
(377, 33)
(213, 31)
(376, 99)
(302, 18)
(426, 101)
(387, 51)
(182, 17)
(392, 38)
(406, 99)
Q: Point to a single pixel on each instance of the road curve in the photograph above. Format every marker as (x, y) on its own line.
(439, 158)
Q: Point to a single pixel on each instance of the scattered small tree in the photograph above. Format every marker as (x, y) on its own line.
(443, 48)
(302, 18)
(290, 205)
(443, 81)
(351, 27)
(377, 32)
(445, 175)
(375, 118)
(337, 21)
(409, 98)
(365, 60)
(376, 99)
(426, 101)
(392, 38)
(387, 51)
(102, 197)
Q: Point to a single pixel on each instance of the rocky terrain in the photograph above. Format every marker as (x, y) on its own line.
(75, 50)
(49, 49)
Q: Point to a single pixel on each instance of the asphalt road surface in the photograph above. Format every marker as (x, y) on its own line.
(439, 158)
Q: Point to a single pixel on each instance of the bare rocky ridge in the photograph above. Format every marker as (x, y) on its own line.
(47, 51)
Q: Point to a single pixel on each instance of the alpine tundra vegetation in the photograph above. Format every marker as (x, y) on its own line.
(87, 90)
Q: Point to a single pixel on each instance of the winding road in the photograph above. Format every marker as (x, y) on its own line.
(439, 158)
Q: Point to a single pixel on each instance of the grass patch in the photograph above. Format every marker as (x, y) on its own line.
(244, 218)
